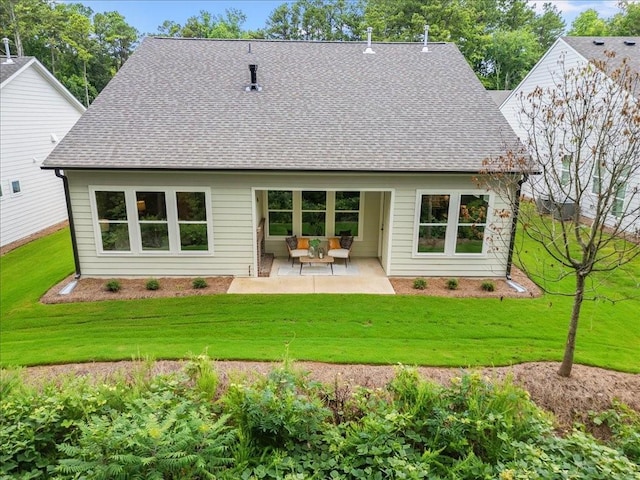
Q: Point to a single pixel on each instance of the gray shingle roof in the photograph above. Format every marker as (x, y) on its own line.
(182, 104)
(8, 69)
(589, 49)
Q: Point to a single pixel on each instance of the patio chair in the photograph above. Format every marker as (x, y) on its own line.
(297, 247)
(341, 248)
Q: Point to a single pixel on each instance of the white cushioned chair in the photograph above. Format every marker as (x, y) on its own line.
(297, 247)
(341, 248)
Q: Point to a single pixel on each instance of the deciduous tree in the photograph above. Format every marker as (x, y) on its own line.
(582, 138)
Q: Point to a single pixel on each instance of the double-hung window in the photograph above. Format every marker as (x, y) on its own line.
(113, 222)
(280, 212)
(433, 221)
(314, 213)
(346, 218)
(450, 224)
(152, 220)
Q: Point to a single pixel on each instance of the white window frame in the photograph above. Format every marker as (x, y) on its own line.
(330, 211)
(133, 221)
(452, 224)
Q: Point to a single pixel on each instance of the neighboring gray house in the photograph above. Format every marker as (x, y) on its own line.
(578, 51)
(36, 111)
(175, 165)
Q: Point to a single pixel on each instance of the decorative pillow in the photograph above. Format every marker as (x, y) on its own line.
(334, 243)
(303, 243)
(292, 242)
(346, 242)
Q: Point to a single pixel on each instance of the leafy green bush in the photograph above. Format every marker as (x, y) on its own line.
(279, 427)
(198, 283)
(161, 435)
(624, 424)
(113, 286)
(488, 286)
(452, 284)
(419, 284)
(152, 284)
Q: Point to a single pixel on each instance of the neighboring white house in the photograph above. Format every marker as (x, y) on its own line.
(575, 52)
(195, 142)
(36, 112)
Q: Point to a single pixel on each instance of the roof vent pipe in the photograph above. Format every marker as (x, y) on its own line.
(253, 68)
(426, 38)
(369, 49)
(7, 51)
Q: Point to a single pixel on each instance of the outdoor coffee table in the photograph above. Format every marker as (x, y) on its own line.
(308, 259)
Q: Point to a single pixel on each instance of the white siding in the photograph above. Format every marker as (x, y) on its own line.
(32, 110)
(233, 221)
(542, 76)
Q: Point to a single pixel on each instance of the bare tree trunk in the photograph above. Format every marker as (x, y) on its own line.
(86, 86)
(567, 361)
(17, 39)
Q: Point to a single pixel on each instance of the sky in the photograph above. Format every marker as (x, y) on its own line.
(147, 15)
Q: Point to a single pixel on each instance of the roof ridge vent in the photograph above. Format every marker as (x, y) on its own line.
(425, 49)
(7, 51)
(629, 43)
(369, 49)
(598, 42)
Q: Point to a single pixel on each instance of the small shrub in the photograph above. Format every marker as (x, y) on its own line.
(113, 286)
(199, 283)
(419, 284)
(152, 284)
(488, 286)
(452, 284)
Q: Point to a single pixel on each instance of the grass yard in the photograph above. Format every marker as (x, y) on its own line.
(330, 328)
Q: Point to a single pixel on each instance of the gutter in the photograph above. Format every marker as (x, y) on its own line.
(514, 224)
(72, 228)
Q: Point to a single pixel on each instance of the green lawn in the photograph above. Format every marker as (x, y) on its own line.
(331, 328)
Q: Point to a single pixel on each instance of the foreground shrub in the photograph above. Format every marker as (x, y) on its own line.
(419, 284)
(113, 286)
(452, 284)
(279, 427)
(152, 284)
(158, 436)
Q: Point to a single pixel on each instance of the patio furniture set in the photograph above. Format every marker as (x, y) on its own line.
(307, 253)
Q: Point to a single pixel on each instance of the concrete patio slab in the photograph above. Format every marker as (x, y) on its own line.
(370, 280)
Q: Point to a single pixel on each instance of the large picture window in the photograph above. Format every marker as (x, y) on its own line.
(451, 223)
(152, 220)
